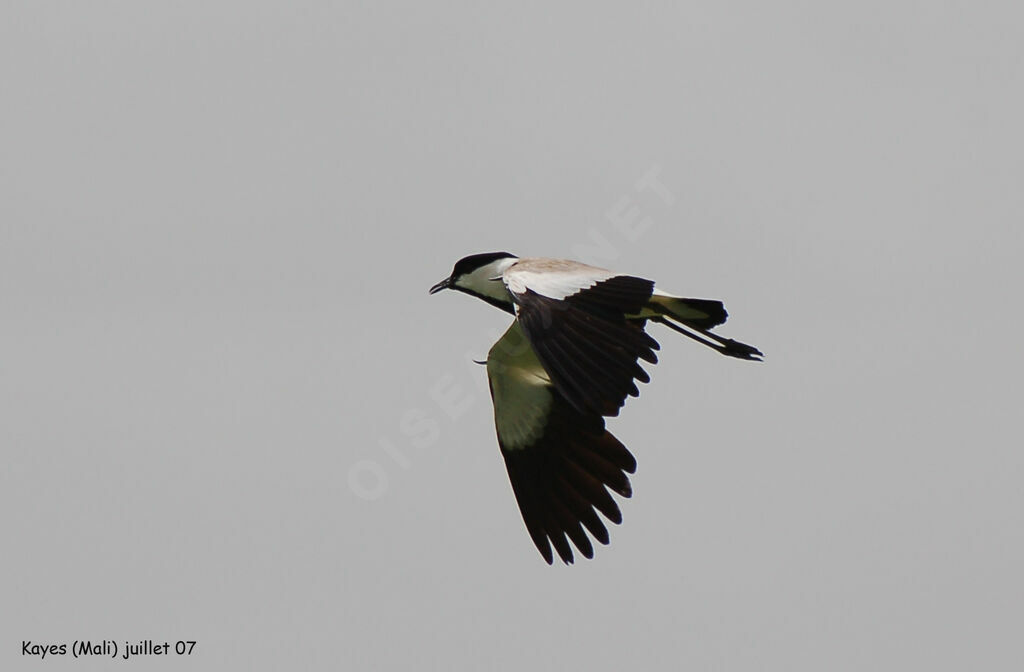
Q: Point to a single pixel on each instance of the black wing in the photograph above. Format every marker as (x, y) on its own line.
(586, 343)
(561, 462)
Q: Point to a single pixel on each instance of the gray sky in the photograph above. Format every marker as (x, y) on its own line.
(217, 229)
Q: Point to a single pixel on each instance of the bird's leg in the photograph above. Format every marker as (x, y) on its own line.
(726, 346)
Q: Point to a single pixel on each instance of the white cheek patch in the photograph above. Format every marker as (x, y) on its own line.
(487, 281)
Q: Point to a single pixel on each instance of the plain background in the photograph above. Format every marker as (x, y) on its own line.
(223, 387)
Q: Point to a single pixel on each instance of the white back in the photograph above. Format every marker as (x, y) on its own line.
(553, 278)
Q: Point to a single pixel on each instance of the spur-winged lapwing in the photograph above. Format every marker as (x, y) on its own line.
(569, 359)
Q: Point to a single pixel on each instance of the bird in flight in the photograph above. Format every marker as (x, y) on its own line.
(570, 359)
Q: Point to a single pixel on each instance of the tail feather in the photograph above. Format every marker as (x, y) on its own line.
(694, 318)
(696, 313)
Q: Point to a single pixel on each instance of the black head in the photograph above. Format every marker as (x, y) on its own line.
(466, 265)
(475, 261)
(480, 275)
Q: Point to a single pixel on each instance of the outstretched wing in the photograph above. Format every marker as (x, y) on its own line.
(575, 317)
(561, 461)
